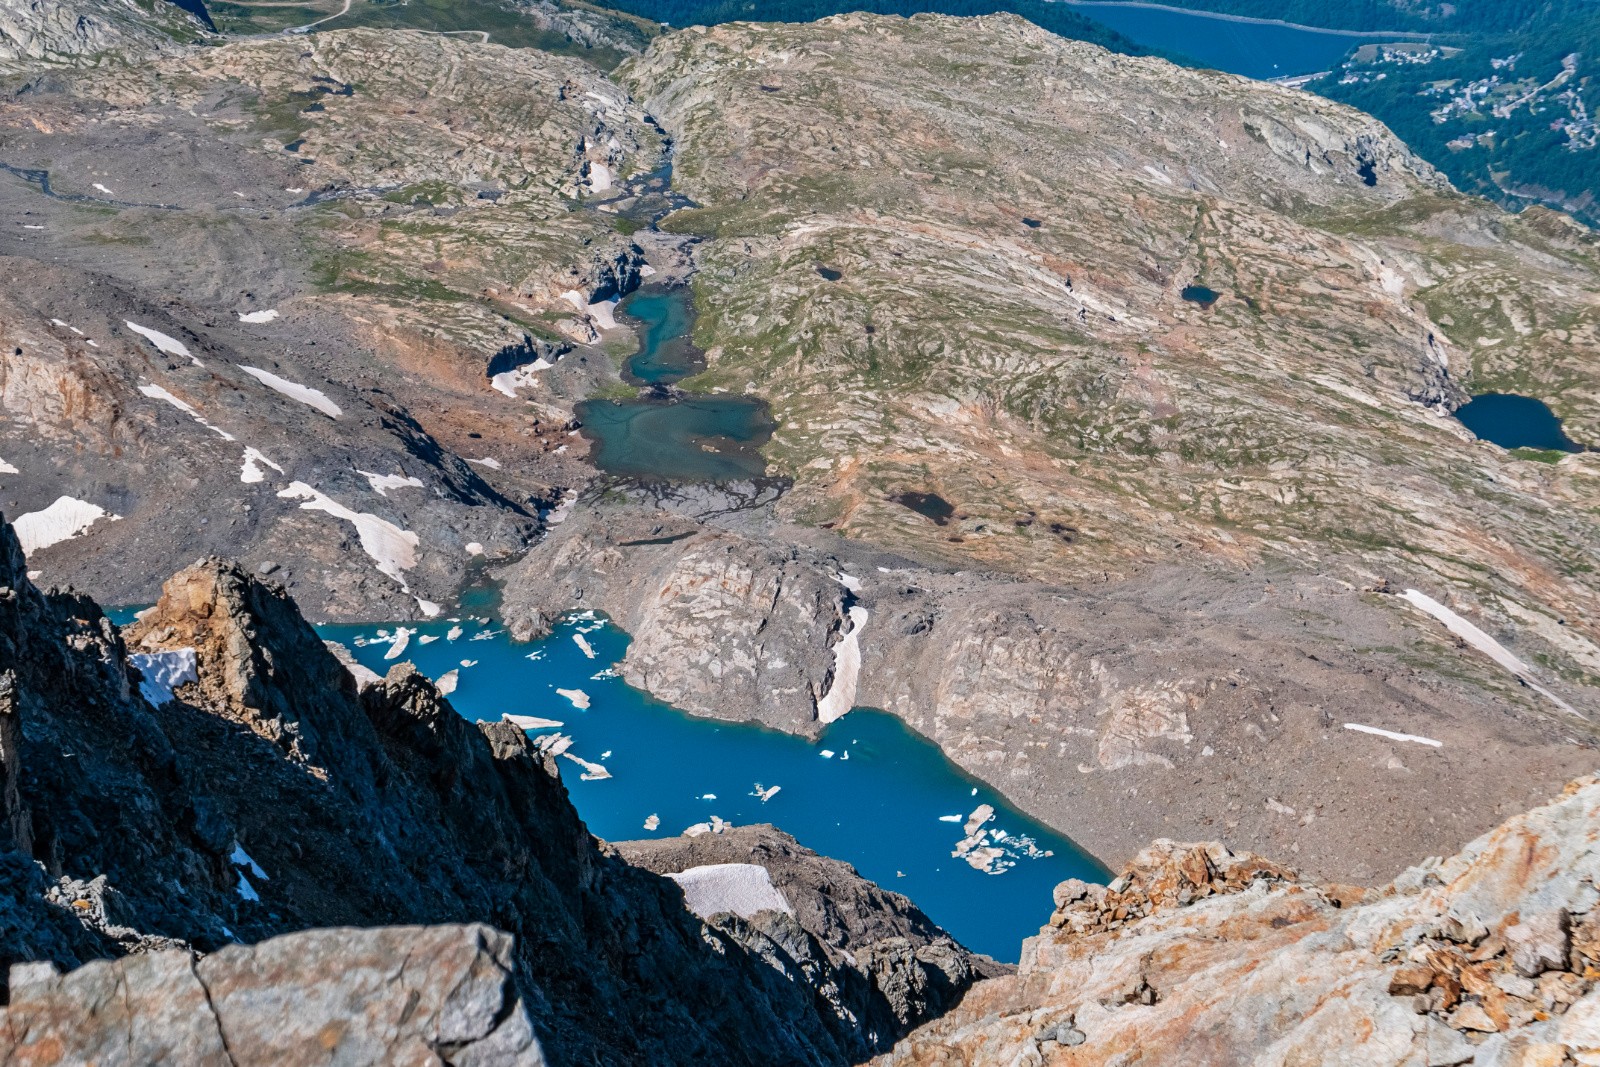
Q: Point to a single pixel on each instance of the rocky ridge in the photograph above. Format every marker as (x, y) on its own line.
(1199, 955)
(261, 792)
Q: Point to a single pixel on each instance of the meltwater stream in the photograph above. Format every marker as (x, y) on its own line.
(869, 791)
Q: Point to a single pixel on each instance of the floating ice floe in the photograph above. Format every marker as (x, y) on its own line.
(583, 645)
(66, 518)
(452, 633)
(394, 550)
(744, 889)
(256, 318)
(841, 695)
(531, 722)
(382, 483)
(652, 822)
(156, 392)
(552, 744)
(170, 345)
(1485, 644)
(161, 673)
(315, 398)
(826, 753)
(402, 638)
(579, 698)
(708, 796)
(605, 675)
(241, 858)
(1391, 735)
(250, 471)
(427, 639)
(980, 815)
(592, 772)
(950, 818)
(469, 663)
(486, 635)
(447, 682)
(766, 794)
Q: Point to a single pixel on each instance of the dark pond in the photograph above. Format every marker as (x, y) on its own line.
(928, 505)
(1199, 294)
(1512, 421)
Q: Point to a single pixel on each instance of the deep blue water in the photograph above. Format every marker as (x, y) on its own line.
(870, 791)
(1253, 49)
(1512, 421)
(1199, 294)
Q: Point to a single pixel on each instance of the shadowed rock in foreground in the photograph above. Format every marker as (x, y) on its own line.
(175, 818)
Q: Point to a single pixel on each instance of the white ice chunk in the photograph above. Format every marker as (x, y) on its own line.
(531, 722)
(1391, 735)
(63, 520)
(382, 483)
(156, 392)
(745, 889)
(841, 695)
(579, 698)
(163, 672)
(765, 794)
(950, 818)
(651, 822)
(251, 471)
(315, 398)
(583, 645)
(592, 772)
(170, 345)
(394, 550)
(402, 638)
(241, 858)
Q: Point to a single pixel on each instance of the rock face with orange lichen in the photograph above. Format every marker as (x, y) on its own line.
(1196, 955)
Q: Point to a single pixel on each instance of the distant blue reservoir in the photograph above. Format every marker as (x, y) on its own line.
(869, 791)
(1512, 421)
(1254, 49)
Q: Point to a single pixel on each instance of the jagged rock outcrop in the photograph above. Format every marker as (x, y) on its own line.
(266, 793)
(418, 994)
(1200, 956)
(86, 31)
(883, 957)
(1219, 701)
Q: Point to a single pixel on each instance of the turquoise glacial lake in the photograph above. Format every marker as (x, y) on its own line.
(1254, 49)
(870, 791)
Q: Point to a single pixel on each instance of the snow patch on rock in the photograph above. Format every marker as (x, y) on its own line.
(315, 398)
(63, 520)
(745, 889)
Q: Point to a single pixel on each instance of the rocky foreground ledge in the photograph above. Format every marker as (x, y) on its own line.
(216, 847)
(1195, 955)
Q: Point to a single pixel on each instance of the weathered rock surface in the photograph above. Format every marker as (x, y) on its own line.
(245, 202)
(417, 994)
(883, 957)
(1200, 956)
(1192, 703)
(270, 795)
